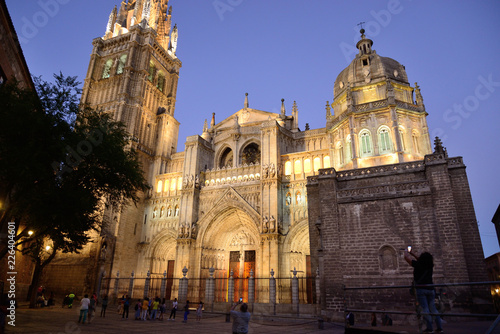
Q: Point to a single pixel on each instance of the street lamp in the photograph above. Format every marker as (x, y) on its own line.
(30, 233)
(47, 248)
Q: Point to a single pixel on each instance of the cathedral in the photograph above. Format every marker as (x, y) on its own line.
(254, 195)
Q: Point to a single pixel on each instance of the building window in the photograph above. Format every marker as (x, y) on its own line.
(384, 141)
(414, 138)
(340, 153)
(326, 161)
(161, 82)
(250, 154)
(107, 68)
(317, 164)
(179, 183)
(172, 185)
(307, 166)
(297, 166)
(121, 64)
(158, 188)
(226, 159)
(366, 143)
(288, 168)
(165, 187)
(151, 71)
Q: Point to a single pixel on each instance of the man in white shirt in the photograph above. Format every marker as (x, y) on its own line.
(84, 308)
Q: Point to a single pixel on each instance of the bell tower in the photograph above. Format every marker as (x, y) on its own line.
(132, 75)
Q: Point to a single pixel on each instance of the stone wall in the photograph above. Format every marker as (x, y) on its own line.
(367, 217)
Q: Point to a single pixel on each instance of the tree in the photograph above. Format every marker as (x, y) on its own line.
(57, 179)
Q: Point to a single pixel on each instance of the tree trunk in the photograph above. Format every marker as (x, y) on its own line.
(37, 274)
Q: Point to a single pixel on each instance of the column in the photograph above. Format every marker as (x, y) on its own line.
(251, 288)
(146, 284)
(163, 284)
(131, 285)
(295, 288)
(183, 287)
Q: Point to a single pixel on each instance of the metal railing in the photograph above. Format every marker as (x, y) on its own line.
(446, 299)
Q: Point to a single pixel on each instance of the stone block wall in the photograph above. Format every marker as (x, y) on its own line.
(367, 217)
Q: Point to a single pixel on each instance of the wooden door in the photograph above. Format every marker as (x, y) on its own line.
(170, 279)
(234, 265)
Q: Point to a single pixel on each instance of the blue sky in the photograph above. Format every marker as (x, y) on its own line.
(294, 49)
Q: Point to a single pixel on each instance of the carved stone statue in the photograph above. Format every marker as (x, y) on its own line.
(197, 182)
(272, 224)
(103, 252)
(272, 170)
(173, 39)
(265, 224)
(183, 231)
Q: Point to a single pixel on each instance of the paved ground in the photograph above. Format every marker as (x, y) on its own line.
(56, 320)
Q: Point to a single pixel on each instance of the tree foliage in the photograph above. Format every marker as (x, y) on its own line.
(61, 164)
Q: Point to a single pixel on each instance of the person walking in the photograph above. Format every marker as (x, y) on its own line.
(163, 308)
(104, 305)
(423, 267)
(144, 311)
(154, 308)
(137, 309)
(92, 307)
(199, 311)
(126, 306)
(174, 310)
(84, 308)
(241, 318)
(186, 311)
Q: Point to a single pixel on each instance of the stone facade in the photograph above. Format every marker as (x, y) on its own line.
(252, 191)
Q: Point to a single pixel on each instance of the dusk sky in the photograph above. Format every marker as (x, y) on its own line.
(294, 49)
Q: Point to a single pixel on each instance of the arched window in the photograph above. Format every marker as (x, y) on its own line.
(176, 213)
(384, 141)
(297, 167)
(326, 161)
(165, 187)
(402, 138)
(288, 168)
(366, 143)
(172, 185)
(179, 183)
(348, 145)
(159, 187)
(121, 64)
(169, 211)
(307, 166)
(317, 164)
(250, 154)
(107, 68)
(414, 139)
(226, 158)
(151, 71)
(161, 82)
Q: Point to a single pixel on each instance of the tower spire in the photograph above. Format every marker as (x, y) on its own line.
(283, 112)
(111, 22)
(245, 105)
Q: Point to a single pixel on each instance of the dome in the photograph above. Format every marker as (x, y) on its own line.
(368, 67)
